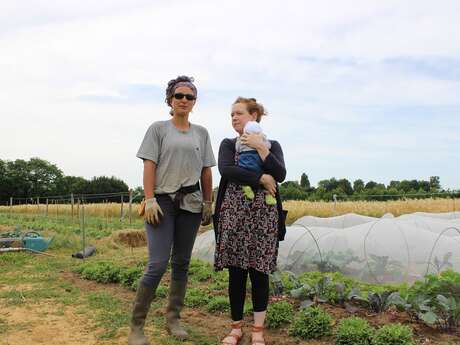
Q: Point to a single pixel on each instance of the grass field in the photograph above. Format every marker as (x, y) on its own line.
(44, 301)
(113, 211)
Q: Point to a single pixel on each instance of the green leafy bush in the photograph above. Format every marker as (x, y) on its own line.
(196, 297)
(219, 281)
(218, 303)
(248, 310)
(436, 300)
(311, 323)
(288, 279)
(102, 272)
(279, 313)
(378, 302)
(393, 334)
(441, 312)
(447, 283)
(130, 277)
(199, 270)
(354, 331)
(333, 286)
(162, 291)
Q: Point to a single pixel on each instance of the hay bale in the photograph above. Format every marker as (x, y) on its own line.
(130, 237)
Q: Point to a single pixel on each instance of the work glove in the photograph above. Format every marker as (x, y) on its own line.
(206, 215)
(153, 213)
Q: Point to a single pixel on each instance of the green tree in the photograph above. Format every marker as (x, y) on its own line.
(291, 190)
(435, 184)
(370, 185)
(43, 177)
(72, 184)
(424, 186)
(104, 184)
(345, 185)
(394, 185)
(17, 179)
(305, 182)
(358, 186)
(3, 182)
(328, 185)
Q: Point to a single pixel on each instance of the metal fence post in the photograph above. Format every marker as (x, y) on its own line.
(121, 207)
(72, 201)
(130, 207)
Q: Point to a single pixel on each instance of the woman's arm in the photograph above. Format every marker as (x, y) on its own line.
(232, 172)
(274, 163)
(149, 178)
(206, 183)
(273, 160)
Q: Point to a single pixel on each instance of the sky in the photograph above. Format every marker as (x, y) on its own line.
(354, 89)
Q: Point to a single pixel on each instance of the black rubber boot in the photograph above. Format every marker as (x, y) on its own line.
(144, 298)
(176, 303)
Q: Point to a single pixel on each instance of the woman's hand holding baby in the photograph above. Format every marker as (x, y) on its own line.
(269, 183)
(256, 141)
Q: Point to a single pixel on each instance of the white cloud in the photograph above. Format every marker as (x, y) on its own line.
(65, 69)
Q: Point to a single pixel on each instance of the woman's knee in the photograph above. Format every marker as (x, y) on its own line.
(179, 269)
(156, 270)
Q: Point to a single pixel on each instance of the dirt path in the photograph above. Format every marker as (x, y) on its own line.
(45, 324)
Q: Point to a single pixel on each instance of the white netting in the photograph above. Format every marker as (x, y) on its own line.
(339, 222)
(399, 249)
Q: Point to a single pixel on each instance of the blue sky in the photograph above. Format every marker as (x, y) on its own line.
(354, 89)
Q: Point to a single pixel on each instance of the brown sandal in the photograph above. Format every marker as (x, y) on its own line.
(257, 329)
(235, 325)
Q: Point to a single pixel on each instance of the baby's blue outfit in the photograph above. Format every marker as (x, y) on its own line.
(250, 160)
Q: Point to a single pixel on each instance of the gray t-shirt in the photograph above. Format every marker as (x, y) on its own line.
(180, 156)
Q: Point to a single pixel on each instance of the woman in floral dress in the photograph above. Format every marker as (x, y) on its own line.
(248, 231)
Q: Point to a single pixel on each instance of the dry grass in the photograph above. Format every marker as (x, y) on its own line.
(130, 237)
(296, 209)
(110, 210)
(299, 209)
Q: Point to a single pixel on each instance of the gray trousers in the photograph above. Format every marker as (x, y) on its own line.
(172, 239)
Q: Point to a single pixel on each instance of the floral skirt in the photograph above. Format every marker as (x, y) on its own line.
(247, 232)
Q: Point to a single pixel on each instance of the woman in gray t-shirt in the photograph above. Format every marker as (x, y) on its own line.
(177, 158)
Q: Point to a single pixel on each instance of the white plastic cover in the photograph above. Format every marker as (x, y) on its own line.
(383, 250)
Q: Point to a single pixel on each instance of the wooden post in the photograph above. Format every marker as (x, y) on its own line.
(11, 206)
(72, 201)
(46, 212)
(38, 204)
(106, 213)
(335, 204)
(82, 226)
(121, 207)
(130, 207)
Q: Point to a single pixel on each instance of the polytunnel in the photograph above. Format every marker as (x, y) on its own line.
(376, 250)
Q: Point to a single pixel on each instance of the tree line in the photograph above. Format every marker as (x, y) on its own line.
(359, 190)
(39, 178)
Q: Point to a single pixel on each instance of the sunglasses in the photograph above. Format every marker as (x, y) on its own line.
(188, 96)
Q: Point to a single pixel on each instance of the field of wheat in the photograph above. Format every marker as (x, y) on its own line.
(296, 209)
(111, 210)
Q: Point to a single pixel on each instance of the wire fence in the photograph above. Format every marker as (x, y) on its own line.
(102, 204)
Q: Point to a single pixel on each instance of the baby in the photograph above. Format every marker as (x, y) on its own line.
(250, 159)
